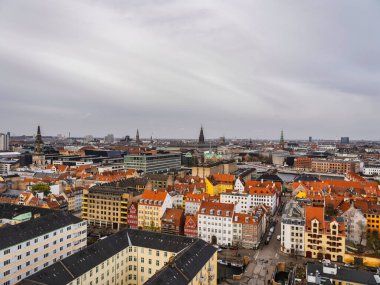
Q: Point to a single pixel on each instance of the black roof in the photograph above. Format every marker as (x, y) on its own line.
(9, 211)
(104, 189)
(344, 274)
(269, 177)
(185, 266)
(79, 263)
(28, 230)
(306, 177)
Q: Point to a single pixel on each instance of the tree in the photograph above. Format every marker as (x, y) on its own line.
(41, 187)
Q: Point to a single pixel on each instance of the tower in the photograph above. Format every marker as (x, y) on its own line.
(201, 137)
(137, 137)
(282, 142)
(38, 154)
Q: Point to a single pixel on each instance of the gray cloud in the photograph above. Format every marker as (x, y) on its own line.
(242, 68)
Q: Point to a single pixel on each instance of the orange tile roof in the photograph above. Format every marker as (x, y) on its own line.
(226, 178)
(173, 214)
(193, 197)
(149, 196)
(312, 213)
(213, 208)
(240, 218)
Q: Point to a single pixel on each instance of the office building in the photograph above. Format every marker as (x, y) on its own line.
(344, 140)
(35, 238)
(4, 141)
(153, 163)
(107, 206)
(135, 257)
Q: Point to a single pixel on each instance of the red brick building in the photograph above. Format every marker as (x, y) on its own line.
(302, 163)
(132, 216)
(191, 226)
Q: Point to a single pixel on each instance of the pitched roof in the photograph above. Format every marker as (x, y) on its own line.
(70, 268)
(216, 209)
(21, 232)
(153, 195)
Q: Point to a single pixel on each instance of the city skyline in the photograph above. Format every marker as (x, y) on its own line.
(242, 69)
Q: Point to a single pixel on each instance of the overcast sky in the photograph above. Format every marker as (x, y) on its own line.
(244, 69)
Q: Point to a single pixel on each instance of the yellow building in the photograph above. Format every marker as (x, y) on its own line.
(135, 257)
(152, 206)
(219, 183)
(107, 206)
(324, 235)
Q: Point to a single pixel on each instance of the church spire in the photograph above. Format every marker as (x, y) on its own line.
(38, 145)
(201, 136)
(137, 137)
(282, 142)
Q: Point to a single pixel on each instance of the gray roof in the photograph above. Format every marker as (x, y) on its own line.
(79, 263)
(343, 274)
(48, 222)
(185, 266)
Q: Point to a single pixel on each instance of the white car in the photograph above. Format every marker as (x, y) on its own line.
(278, 237)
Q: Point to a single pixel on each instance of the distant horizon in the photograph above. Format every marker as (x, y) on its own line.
(196, 139)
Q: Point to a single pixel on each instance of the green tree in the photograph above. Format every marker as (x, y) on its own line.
(41, 187)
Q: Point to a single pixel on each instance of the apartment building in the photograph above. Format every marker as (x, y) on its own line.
(74, 199)
(151, 207)
(107, 206)
(293, 229)
(215, 222)
(253, 197)
(135, 257)
(133, 216)
(248, 229)
(173, 221)
(35, 238)
(335, 166)
(219, 183)
(153, 163)
(193, 201)
(191, 226)
(324, 235)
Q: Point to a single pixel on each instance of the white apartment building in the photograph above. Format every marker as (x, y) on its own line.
(371, 170)
(255, 197)
(30, 246)
(135, 257)
(293, 229)
(215, 222)
(193, 201)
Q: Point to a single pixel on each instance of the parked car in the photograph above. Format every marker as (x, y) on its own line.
(279, 237)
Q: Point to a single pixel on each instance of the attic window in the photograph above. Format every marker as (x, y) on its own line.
(212, 212)
(228, 213)
(203, 210)
(219, 212)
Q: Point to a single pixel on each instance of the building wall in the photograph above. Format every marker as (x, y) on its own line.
(30, 256)
(153, 163)
(106, 210)
(321, 245)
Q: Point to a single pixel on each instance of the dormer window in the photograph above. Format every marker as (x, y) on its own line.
(203, 210)
(219, 212)
(228, 213)
(212, 212)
